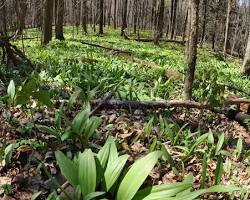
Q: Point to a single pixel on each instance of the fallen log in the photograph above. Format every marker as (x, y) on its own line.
(238, 116)
(151, 104)
(162, 40)
(116, 51)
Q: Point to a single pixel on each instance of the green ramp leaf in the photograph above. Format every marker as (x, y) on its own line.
(68, 168)
(87, 172)
(137, 175)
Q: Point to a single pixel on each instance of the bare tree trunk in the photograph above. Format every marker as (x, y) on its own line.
(20, 8)
(192, 55)
(245, 70)
(124, 17)
(160, 23)
(101, 18)
(204, 23)
(229, 7)
(47, 21)
(59, 19)
(135, 15)
(3, 24)
(115, 12)
(173, 22)
(185, 26)
(85, 16)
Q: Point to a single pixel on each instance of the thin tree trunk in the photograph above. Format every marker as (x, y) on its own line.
(173, 23)
(59, 19)
(245, 70)
(160, 23)
(229, 7)
(47, 21)
(124, 17)
(101, 19)
(192, 42)
(115, 12)
(204, 22)
(85, 16)
(3, 25)
(21, 8)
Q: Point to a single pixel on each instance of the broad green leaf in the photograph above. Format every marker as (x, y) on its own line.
(94, 195)
(46, 129)
(79, 122)
(149, 127)
(11, 90)
(204, 171)
(224, 188)
(166, 155)
(114, 170)
(239, 147)
(199, 141)
(219, 170)
(113, 154)
(92, 125)
(87, 172)
(36, 195)
(220, 144)
(68, 168)
(197, 193)
(43, 97)
(210, 137)
(153, 145)
(8, 153)
(162, 191)
(74, 96)
(246, 155)
(189, 196)
(137, 175)
(103, 154)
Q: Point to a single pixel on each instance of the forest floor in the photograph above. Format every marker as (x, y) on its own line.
(86, 67)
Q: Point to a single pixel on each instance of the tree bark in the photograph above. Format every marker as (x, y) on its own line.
(229, 7)
(173, 22)
(47, 21)
(21, 8)
(245, 70)
(3, 25)
(101, 19)
(192, 49)
(204, 23)
(124, 17)
(115, 12)
(85, 16)
(59, 19)
(160, 23)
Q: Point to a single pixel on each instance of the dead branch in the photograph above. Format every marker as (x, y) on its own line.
(240, 117)
(151, 104)
(116, 51)
(162, 40)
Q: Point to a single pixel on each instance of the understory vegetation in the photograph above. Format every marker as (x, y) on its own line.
(59, 146)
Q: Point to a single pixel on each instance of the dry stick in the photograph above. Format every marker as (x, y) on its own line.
(238, 116)
(103, 101)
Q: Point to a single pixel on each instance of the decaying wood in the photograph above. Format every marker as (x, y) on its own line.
(151, 104)
(115, 51)
(162, 40)
(240, 117)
